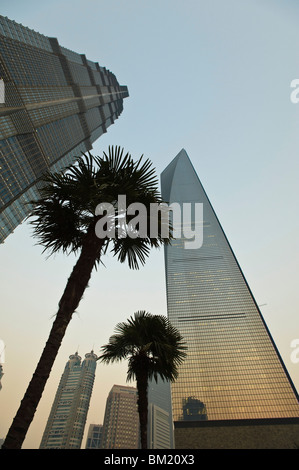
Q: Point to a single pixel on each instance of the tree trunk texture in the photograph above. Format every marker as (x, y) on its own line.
(76, 285)
(141, 381)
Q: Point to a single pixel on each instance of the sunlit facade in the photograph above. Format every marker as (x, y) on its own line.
(67, 419)
(57, 104)
(121, 420)
(233, 370)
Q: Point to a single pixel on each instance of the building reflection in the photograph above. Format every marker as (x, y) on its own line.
(194, 410)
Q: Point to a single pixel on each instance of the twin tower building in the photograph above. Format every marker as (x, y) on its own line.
(233, 389)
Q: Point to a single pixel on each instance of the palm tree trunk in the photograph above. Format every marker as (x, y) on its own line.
(141, 379)
(70, 299)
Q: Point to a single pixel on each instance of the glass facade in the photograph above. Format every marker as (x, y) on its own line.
(66, 422)
(94, 436)
(233, 369)
(57, 103)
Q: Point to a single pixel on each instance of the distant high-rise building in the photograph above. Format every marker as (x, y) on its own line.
(94, 437)
(233, 373)
(160, 423)
(121, 421)
(56, 104)
(158, 428)
(66, 422)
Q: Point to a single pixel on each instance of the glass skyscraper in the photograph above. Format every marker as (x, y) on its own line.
(57, 103)
(67, 419)
(233, 370)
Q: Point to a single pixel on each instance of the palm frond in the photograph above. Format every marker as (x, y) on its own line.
(66, 208)
(56, 226)
(132, 251)
(148, 342)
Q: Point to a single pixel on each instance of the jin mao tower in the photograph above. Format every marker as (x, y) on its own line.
(55, 104)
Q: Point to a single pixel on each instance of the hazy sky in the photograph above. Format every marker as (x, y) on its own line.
(209, 76)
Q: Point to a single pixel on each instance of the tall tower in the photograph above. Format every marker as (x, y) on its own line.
(233, 372)
(160, 423)
(66, 422)
(121, 421)
(57, 103)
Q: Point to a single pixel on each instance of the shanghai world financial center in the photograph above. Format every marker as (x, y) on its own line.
(57, 103)
(233, 371)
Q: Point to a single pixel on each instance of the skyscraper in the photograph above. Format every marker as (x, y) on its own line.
(233, 373)
(66, 422)
(160, 423)
(57, 103)
(158, 428)
(94, 437)
(121, 421)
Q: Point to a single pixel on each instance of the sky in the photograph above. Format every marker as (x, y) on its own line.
(208, 76)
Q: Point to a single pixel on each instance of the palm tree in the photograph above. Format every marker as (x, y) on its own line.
(153, 347)
(65, 219)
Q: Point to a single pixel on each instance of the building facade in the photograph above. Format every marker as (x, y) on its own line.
(67, 419)
(94, 436)
(56, 104)
(158, 434)
(233, 371)
(121, 421)
(160, 423)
